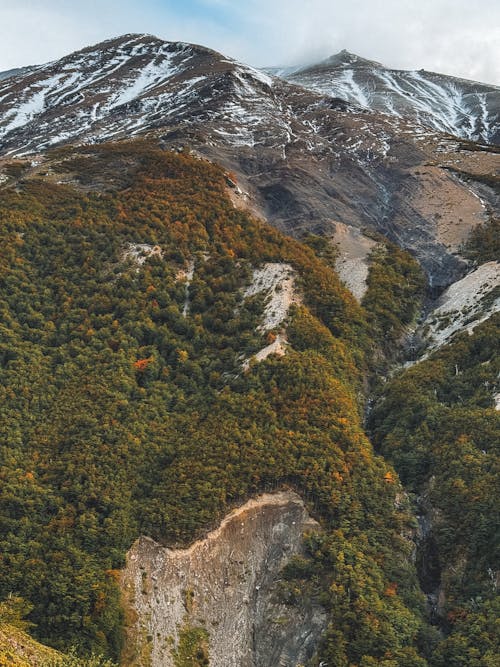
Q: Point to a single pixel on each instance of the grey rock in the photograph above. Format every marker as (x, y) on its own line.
(227, 584)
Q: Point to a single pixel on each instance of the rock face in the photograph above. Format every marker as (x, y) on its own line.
(224, 590)
(463, 306)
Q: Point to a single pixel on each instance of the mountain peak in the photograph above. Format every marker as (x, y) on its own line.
(132, 45)
(466, 109)
(125, 85)
(346, 57)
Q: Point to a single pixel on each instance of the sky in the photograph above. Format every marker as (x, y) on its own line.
(458, 37)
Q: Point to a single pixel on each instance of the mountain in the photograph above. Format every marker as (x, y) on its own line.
(142, 395)
(466, 109)
(225, 444)
(12, 72)
(124, 87)
(307, 161)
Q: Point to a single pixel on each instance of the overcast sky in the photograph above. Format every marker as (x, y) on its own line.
(459, 37)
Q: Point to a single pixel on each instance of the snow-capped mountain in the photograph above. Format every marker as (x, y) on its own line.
(307, 161)
(120, 88)
(460, 107)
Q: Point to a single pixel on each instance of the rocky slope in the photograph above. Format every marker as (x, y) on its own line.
(306, 161)
(223, 592)
(467, 109)
(463, 306)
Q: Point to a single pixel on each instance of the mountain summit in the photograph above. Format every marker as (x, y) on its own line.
(464, 108)
(344, 58)
(120, 87)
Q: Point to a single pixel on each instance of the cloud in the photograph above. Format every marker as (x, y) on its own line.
(453, 36)
(34, 31)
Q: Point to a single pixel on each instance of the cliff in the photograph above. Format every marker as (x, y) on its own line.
(219, 598)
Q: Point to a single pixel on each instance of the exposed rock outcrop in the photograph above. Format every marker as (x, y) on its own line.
(277, 281)
(464, 305)
(352, 264)
(221, 593)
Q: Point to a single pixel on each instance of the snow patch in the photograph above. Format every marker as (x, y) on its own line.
(152, 74)
(25, 112)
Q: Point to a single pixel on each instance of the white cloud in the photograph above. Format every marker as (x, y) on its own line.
(458, 37)
(37, 31)
(453, 36)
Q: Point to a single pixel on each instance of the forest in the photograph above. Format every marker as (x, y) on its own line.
(125, 410)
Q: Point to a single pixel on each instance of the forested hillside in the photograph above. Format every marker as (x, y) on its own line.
(131, 405)
(437, 424)
(123, 416)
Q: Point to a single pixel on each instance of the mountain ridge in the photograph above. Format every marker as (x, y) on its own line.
(466, 108)
(307, 161)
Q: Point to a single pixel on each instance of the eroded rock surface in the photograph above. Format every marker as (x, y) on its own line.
(463, 306)
(352, 264)
(227, 585)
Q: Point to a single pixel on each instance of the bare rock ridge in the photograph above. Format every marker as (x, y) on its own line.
(308, 160)
(222, 591)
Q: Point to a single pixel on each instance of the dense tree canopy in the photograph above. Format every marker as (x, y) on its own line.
(125, 409)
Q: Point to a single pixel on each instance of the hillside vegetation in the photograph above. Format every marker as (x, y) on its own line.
(436, 422)
(126, 410)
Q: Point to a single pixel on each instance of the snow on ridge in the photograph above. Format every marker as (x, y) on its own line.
(86, 73)
(445, 104)
(148, 76)
(359, 93)
(259, 75)
(25, 112)
(89, 85)
(248, 70)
